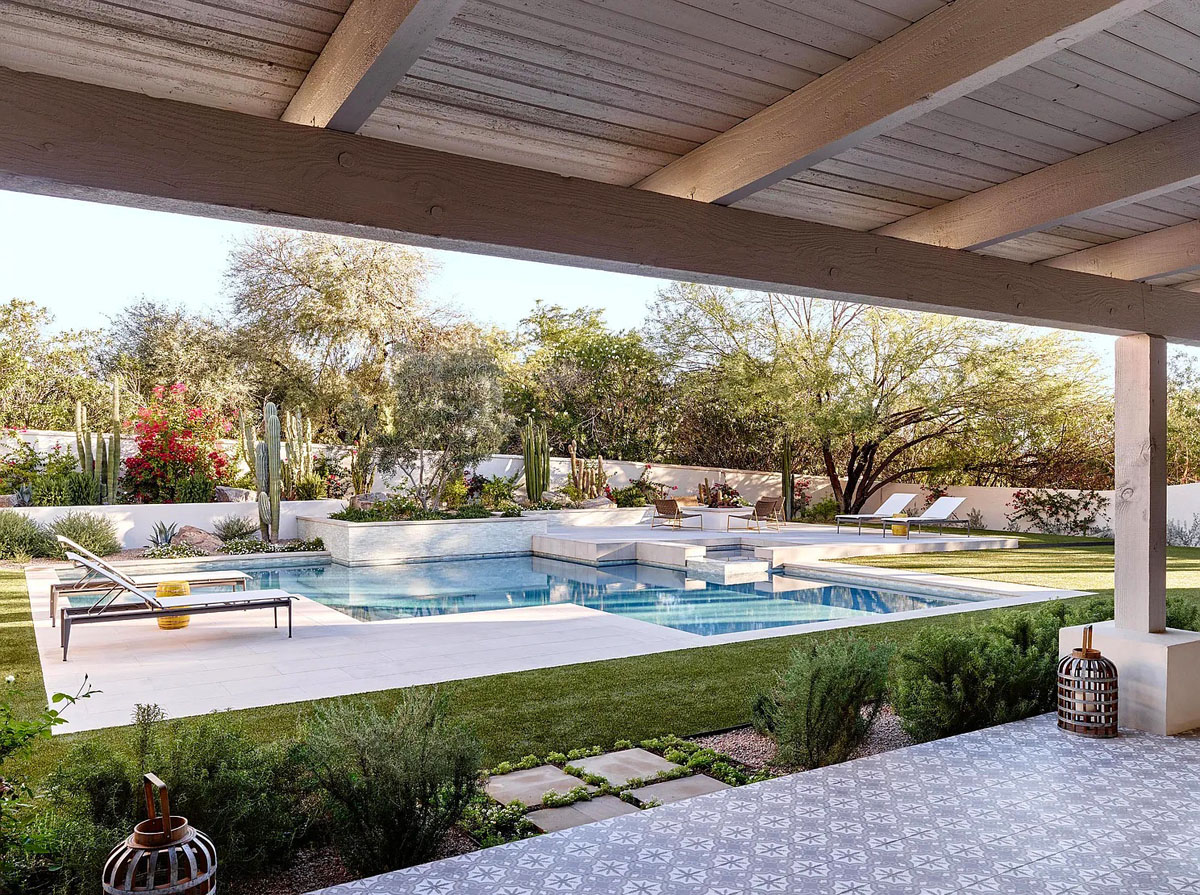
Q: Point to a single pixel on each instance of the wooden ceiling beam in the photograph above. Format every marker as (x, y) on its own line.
(949, 53)
(1160, 253)
(1144, 165)
(66, 138)
(367, 55)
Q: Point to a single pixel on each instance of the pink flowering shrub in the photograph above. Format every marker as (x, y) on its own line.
(177, 442)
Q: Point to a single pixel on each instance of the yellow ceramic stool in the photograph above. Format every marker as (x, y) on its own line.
(173, 589)
(899, 529)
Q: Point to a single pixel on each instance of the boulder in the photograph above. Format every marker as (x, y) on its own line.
(368, 500)
(596, 503)
(556, 497)
(198, 538)
(8, 501)
(226, 494)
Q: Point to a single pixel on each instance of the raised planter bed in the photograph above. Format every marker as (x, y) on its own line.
(384, 543)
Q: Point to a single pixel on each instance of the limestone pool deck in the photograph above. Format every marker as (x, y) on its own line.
(1020, 809)
(239, 660)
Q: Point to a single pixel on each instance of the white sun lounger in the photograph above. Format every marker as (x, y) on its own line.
(107, 609)
(938, 513)
(890, 507)
(89, 584)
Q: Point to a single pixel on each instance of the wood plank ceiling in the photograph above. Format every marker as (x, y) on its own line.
(614, 90)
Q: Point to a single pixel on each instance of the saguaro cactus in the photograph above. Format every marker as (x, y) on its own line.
(788, 476)
(535, 445)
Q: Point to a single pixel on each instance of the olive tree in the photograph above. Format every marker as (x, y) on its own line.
(446, 414)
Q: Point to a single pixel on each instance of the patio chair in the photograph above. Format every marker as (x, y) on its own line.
(937, 513)
(890, 507)
(107, 609)
(768, 512)
(671, 516)
(89, 584)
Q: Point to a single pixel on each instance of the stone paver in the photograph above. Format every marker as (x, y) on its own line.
(551, 820)
(1017, 809)
(618, 768)
(530, 785)
(676, 790)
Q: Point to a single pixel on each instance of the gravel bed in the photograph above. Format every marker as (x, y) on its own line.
(755, 751)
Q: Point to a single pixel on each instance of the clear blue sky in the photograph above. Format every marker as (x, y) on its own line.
(85, 260)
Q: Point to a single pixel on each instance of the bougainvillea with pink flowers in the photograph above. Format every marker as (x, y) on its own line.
(177, 442)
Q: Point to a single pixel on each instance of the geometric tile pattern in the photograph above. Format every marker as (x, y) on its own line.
(1020, 809)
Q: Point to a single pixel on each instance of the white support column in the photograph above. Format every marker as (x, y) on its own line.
(1157, 666)
(1140, 499)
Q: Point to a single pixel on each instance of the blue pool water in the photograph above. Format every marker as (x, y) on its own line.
(646, 593)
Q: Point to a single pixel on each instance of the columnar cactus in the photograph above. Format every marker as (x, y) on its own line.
(299, 465)
(535, 445)
(788, 476)
(588, 480)
(114, 443)
(264, 458)
(93, 454)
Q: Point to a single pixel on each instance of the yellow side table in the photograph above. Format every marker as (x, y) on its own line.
(173, 589)
(900, 529)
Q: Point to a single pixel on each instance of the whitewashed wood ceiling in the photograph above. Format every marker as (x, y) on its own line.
(613, 90)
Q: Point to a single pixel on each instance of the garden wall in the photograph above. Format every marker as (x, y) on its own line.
(993, 503)
(135, 521)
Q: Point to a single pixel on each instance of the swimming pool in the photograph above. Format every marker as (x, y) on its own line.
(649, 594)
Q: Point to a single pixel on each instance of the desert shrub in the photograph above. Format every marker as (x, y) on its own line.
(1183, 614)
(233, 527)
(49, 491)
(1056, 512)
(822, 511)
(949, 681)
(395, 783)
(89, 530)
(825, 700)
(82, 489)
(629, 496)
(22, 538)
(195, 488)
(473, 511)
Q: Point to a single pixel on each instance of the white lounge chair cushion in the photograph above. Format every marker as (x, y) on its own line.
(240, 596)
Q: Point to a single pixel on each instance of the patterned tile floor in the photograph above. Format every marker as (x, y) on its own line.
(1020, 809)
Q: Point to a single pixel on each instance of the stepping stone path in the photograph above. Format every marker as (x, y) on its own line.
(618, 768)
(677, 790)
(530, 785)
(551, 820)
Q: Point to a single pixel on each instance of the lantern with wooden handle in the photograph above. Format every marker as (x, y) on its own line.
(1087, 691)
(164, 854)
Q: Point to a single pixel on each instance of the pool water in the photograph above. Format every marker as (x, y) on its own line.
(649, 594)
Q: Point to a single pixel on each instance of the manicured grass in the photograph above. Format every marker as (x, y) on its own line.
(683, 692)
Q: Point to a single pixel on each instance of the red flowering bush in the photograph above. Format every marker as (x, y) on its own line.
(177, 447)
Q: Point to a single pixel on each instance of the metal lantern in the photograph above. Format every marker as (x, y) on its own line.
(1087, 691)
(164, 854)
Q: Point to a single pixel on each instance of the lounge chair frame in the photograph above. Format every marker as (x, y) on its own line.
(860, 518)
(90, 584)
(668, 510)
(925, 519)
(768, 512)
(106, 609)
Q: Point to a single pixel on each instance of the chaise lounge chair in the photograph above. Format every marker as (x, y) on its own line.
(938, 513)
(670, 514)
(107, 609)
(89, 584)
(768, 511)
(890, 507)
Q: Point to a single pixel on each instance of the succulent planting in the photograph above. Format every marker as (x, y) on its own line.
(535, 445)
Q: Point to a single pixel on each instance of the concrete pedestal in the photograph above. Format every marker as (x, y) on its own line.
(1158, 675)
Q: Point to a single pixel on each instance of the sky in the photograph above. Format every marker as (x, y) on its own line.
(86, 260)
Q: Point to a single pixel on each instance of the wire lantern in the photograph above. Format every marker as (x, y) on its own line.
(1087, 691)
(164, 854)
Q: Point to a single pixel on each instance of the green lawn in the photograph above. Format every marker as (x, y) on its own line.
(683, 692)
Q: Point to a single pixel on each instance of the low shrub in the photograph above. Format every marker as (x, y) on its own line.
(173, 551)
(825, 701)
(629, 496)
(233, 527)
(395, 783)
(21, 538)
(194, 489)
(244, 546)
(822, 511)
(82, 489)
(89, 530)
(473, 511)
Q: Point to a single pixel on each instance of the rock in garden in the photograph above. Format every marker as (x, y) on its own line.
(368, 500)
(226, 494)
(198, 538)
(8, 500)
(596, 503)
(556, 497)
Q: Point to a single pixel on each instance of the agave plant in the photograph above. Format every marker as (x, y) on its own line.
(162, 533)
